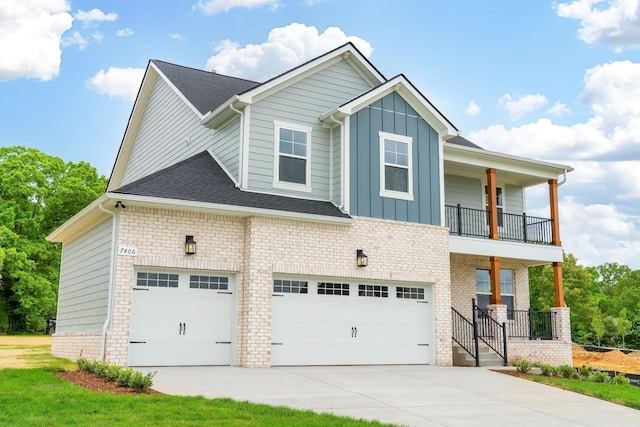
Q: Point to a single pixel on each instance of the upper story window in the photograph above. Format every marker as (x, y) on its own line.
(499, 203)
(396, 166)
(292, 168)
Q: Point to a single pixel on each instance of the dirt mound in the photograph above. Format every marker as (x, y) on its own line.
(613, 360)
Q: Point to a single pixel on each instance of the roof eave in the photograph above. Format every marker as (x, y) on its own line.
(223, 209)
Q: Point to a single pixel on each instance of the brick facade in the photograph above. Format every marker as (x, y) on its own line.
(258, 248)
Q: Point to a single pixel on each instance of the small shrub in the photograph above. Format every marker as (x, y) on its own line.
(524, 366)
(123, 377)
(620, 379)
(112, 372)
(567, 371)
(547, 369)
(585, 372)
(140, 382)
(83, 364)
(100, 369)
(600, 377)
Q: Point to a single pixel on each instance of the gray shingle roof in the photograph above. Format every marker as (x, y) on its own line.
(205, 90)
(458, 140)
(201, 179)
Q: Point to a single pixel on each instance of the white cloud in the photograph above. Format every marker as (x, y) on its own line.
(598, 233)
(608, 22)
(97, 36)
(212, 7)
(30, 38)
(558, 109)
(177, 36)
(94, 15)
(75, 39)
(125, 32)
(117, 82)
(286, 47)
(472, 109)
(517, 108)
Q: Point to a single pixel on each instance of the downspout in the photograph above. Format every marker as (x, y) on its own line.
(564, 178)
(112, 267)
(240, 160)
(342, 162)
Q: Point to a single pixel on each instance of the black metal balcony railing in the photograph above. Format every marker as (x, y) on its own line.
(531, 324)
(520, 228)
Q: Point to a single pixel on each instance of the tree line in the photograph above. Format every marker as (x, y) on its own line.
(604, 301)
(38, 193)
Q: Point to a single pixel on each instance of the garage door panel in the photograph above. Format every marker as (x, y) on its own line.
(181, 325)
(372, 325)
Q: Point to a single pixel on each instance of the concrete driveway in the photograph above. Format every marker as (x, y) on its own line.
(406, 395)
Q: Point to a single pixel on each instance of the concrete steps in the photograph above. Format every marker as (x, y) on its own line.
(487, 357)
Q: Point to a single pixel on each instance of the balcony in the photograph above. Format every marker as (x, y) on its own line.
(517, 228)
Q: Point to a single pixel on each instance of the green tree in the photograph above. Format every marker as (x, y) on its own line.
(598, 326)
(623, 325)
(578, 284)
(38, 193)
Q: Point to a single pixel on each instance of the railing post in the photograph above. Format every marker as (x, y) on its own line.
(459, 218)
(475, 332)
(504, 341)
(530, 314)
(524, 226)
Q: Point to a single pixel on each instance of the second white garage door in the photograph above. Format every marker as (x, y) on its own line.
(340, 323)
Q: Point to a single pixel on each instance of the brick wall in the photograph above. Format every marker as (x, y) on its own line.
(257, 248)
(74, 345)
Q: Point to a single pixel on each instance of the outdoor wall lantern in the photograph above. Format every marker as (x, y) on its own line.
(361, 258)
(190, 246)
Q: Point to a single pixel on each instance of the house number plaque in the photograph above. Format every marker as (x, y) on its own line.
(127, 251)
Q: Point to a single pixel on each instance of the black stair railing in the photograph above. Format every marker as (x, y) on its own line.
(465, 333)
(490, 332)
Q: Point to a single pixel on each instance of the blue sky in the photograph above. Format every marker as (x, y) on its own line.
(551, 80)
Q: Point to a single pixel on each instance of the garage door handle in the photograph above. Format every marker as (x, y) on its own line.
(354, 332)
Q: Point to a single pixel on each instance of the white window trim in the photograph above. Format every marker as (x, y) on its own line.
(502, 293)
(390, 193)
(277, 125)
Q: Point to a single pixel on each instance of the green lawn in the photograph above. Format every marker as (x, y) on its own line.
(627, 395)
(36, 397)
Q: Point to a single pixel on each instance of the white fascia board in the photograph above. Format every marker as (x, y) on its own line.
(530, 254)
(505, 162)
(221, 115)
(83, 220)
(408, 92)
(346, 52)
(220, 209)
(177, 91)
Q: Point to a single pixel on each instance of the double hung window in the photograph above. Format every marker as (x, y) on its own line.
(292, 157)
(483, 288)
(396, 166)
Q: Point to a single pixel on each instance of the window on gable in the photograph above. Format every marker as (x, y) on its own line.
(292, 160)
(396, 172)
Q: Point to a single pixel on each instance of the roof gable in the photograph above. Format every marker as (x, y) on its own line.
(409, 93)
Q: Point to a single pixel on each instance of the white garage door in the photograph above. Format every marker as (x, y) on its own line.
(180, 319)
(329, 323)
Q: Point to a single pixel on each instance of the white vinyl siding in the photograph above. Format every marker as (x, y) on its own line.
(464, 191)
(84, 281)
(169, 132)
(302, 102)
(513, 199)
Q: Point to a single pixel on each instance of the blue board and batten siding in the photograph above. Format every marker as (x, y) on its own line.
(392, 114)
(84, 281)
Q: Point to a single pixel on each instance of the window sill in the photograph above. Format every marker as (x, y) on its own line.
(396, 195)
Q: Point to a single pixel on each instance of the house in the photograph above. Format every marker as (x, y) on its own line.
(326, 216)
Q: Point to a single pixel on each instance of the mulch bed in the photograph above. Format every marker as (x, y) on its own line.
(92, 382)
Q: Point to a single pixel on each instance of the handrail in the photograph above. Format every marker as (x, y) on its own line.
(465, 333)
(490, 332)
(475, 223)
